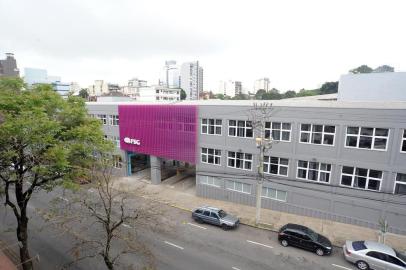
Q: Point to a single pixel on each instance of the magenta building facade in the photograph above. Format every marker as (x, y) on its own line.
(165, 131)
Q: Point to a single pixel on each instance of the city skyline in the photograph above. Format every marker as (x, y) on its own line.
(297, 45)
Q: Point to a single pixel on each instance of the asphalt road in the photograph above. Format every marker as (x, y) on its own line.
(176, 242)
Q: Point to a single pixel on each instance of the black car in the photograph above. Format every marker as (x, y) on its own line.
(303, 237)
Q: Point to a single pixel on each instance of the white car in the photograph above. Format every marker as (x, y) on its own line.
(372, 255)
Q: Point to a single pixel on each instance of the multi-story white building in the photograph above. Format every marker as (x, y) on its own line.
(74, 87)
(158, 93)
(262, 84)
(101, 87)
(191, 79)
(230, 88)
(132, 89)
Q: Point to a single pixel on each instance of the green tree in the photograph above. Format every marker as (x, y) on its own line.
(83, 93)
(329, 88)
(305, 93)
(45, 141)
(273, 94)
(241, 97)
(219, 96)
(289, 94)
(384, 68)
(361, 69)
(259, 94)
(182, 94)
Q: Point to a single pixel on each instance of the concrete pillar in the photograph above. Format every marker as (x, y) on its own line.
(155, 170)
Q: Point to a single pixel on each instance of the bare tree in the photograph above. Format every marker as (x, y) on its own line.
(107, 212)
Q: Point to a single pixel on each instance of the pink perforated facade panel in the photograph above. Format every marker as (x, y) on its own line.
(167, 131)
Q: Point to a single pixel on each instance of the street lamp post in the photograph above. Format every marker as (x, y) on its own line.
(263, 145)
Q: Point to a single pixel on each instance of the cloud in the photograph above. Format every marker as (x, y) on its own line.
(97, 29)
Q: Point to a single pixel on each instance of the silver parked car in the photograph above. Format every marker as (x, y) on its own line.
(372, 255)
(215, 216)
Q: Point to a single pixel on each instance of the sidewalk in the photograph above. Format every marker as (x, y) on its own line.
(5, 262)
(272, 220)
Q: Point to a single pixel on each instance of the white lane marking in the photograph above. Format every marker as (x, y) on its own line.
(197, 226)
(126, 225)
(90, 190)
(339, 266)
(235, 268)
(63, 198)
(172, 244)
(256, 243)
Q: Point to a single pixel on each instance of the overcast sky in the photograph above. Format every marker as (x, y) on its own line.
(297, 44)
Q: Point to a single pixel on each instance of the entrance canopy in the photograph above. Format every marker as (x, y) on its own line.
(167, 131)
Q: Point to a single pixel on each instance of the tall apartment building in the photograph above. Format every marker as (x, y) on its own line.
(191, 79)
(230, 88)
(8, 66)
(170, 76)
(262, 84)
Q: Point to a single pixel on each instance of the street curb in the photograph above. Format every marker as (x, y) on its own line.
(265, 226)
(242, 222)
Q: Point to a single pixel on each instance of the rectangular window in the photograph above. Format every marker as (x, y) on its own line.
(240, 160)
(116, 140)
(211, 156)
(317, 134)
(400, 184)
(103, 118)
(314, 171)
(274, 194)
(276, 165)
(239, 187)
(240, 128)
(113, 120)
(280, 131)
(361, 178)
(210, 181)
(117, 162)
(403, 145)
(211, 126)
(367, 138)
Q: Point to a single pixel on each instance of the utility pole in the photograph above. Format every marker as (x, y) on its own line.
(260, 115)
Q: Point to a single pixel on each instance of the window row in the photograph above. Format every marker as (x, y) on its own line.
(114, 139)
(356, 137)
(267, 192)
(112, 120)
(354, 177)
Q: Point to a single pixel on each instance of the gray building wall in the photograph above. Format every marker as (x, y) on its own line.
(110, 130)
(304, 197)
(373, 86)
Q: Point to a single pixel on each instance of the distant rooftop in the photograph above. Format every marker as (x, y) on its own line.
(388, 86)
(313, 101)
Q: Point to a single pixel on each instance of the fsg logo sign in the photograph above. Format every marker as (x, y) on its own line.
(132, 141)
